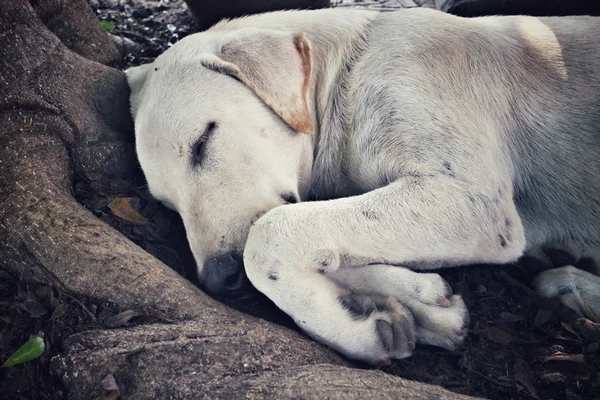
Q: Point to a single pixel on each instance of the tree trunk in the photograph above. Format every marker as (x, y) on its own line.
(62, 115)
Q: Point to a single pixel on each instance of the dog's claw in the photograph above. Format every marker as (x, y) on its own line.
(386, 334)
(404, 330)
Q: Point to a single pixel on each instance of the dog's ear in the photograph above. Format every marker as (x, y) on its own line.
(275, 65)
(136, 78)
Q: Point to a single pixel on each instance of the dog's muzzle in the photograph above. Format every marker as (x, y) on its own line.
(224, 275)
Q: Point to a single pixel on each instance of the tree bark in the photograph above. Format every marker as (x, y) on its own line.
(61, 115)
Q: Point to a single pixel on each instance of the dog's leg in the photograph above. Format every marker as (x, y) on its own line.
(576, 288)
(293, 249)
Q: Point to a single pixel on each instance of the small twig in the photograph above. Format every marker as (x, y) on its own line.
(490, 379)
(87, 311)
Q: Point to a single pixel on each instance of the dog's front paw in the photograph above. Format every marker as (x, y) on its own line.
(441, 319)
(392, 328)
(372, 313)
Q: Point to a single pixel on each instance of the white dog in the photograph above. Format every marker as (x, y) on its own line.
(428, 140)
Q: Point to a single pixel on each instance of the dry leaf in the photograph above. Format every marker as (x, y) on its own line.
(521, 375)
(59, 311)
(500, 336)
(43, 292)
(123, 209)
(568, 328)
(34, 308)
(543, 317)
(111, 390)
(588, 329)
(578, 358)
(554, 377)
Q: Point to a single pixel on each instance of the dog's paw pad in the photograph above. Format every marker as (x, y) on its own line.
(358, 305)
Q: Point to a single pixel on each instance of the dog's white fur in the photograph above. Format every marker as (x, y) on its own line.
(438, 141)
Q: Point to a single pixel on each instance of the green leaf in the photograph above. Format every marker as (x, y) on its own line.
(29, 351)
(109, 26)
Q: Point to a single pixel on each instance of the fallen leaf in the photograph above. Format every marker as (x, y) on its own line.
(557, 348)
(109, 26)
(109, 383)
(120, 319)
(500, 336)
(29, 351)
(96, 202)
(59, 311)
(100, 188)
(123, 209)
(556, 334)
(588, 329)
(577, 358)
(32, 307)
(554, 377)
(521, 374)
(110, 389)
(43, 292)
(568, 328)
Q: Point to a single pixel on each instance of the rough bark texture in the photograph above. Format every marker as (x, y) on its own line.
(62, 114)
(222, 359)
(75, 24)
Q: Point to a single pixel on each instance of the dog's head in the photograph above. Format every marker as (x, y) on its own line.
(221, 124)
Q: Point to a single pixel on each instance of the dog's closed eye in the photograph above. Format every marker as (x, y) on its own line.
(199, 147)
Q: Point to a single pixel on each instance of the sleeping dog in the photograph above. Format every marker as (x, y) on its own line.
(336, 156)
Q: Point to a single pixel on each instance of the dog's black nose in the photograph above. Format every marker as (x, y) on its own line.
(224, 275)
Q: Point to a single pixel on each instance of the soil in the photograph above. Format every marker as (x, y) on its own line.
(519, 346)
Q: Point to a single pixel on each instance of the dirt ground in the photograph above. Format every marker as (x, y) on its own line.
(519, 346)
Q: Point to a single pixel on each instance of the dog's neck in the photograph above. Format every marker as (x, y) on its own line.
(337, 38)
(335, 46)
